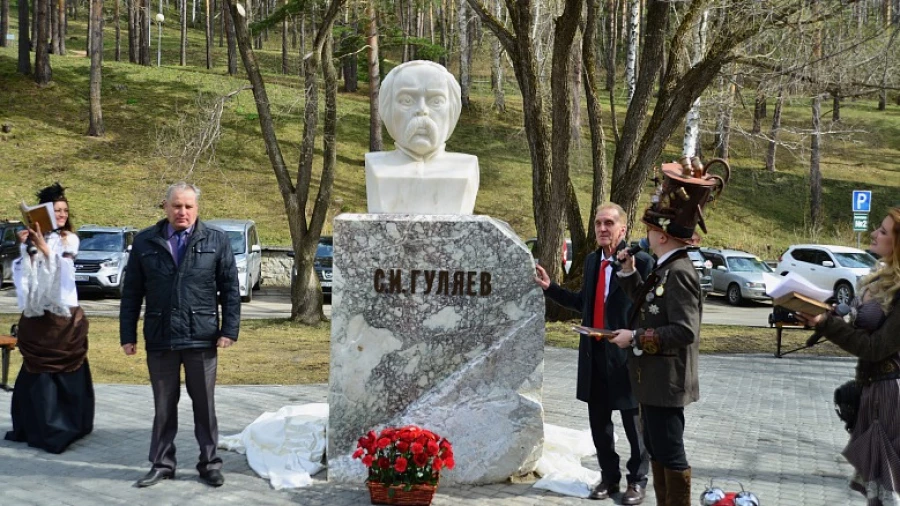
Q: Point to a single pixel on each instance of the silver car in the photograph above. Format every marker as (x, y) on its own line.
(247, 251)
(739, 275)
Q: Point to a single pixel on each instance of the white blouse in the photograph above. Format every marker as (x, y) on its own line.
(47, 284)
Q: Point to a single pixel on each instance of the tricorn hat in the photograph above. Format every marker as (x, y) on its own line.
(676, 207)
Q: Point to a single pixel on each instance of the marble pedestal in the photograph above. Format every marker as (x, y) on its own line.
(436, 321)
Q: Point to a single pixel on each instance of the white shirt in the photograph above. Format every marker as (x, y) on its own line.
(47, 284)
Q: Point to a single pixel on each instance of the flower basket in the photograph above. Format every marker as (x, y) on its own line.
(404, 464)
(417, 495)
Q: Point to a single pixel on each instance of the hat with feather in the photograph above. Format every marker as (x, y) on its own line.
(686, 187)
(53, 193)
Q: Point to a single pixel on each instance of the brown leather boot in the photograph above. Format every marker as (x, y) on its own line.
(659, 482)
(678, 487)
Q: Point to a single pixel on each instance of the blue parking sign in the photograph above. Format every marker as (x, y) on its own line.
(862, 201)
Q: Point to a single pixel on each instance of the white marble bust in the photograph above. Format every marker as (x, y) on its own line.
(420, 105)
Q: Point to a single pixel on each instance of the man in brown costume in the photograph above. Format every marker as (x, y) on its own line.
(666, 323)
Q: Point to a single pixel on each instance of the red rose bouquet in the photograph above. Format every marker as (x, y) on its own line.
(406, 456)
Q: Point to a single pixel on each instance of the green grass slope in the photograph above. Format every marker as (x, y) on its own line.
(151, 114)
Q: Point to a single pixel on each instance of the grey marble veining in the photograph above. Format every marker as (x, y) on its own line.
(436, 321)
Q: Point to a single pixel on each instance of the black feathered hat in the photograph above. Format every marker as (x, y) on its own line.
(677, 206)
(52, 193)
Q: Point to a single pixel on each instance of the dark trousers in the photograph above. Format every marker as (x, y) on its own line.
(200, 380)
(600, 416)
(664, 436)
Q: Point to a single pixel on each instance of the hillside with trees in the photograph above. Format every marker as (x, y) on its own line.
(267, 106)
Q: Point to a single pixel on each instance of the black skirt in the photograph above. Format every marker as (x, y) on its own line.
(51, 410)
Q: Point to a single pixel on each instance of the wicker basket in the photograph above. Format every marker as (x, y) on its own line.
(418, 495)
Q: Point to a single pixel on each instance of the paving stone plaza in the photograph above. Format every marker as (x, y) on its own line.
(764, 422)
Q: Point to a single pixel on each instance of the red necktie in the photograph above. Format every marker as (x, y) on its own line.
(600, 296)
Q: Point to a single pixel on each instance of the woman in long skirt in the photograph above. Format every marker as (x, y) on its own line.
(53, 399)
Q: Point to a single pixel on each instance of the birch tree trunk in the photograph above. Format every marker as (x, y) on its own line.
(759, 111)
(773, 133)
(209, 36)
(63, 25)
(24, 60)
(182, 58)
(230, 37)
(631, 58)
(497, 65)
(726, 112)
(95, 129)
(692, 121)
(609, 53)
(815, 171)
(117, 15)
(284, 44)
(4, 22)
(42, 72)
(464, 56)
(375, 140)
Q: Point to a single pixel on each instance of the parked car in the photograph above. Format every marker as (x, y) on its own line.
(9, 248)
(247, 253)
(835, 268)
(102, 257)
(565, 255)
(703, 267)
(739, 275)
(322, 264)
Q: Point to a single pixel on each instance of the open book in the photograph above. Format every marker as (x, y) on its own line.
(42, 214)
(799, 302)
(795, 283)
(597, 334)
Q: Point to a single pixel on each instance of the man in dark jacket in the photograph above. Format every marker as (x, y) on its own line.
(664, 337)
(602, 368)
(183, 269)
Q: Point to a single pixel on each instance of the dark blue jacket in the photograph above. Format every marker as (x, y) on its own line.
(182, 301)
(602, 364)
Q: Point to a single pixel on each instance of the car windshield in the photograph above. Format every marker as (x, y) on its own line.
(747, 264)
(101, 241)
(236, 238)
(855, 260)
(325, 250)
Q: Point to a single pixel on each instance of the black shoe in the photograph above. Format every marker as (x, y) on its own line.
(213, 478)
(603, 489)
(634, 494)
(155, 476)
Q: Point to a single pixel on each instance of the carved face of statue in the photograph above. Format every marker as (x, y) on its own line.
(420, 114)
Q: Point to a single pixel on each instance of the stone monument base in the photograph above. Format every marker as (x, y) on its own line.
(437, 322)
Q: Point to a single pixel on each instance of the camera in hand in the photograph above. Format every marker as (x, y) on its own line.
(30, 247)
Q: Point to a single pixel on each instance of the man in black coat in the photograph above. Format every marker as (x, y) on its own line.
(184, 270)
(602, 367)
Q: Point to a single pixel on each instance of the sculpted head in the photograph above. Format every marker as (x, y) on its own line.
(420, 105)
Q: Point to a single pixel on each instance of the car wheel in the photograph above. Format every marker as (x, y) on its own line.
(734, 295)
(258, 283)
(843, 293)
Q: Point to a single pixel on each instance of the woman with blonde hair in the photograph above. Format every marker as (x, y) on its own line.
(873, 335)
(53, 400)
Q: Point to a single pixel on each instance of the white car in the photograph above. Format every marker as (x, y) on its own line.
(835, 268)
(247, 253)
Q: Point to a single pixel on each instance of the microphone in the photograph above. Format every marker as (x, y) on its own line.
(840, 310)
(631, 251)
